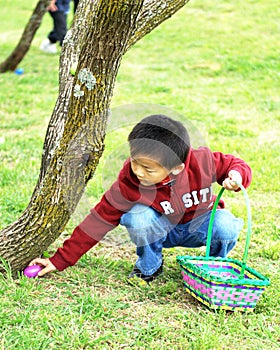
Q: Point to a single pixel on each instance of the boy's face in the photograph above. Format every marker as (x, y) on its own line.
(148, 171)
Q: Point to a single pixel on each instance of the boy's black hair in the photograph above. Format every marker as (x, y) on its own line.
(163, 139)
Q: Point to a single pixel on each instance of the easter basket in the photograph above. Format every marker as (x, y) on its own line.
(223, 283)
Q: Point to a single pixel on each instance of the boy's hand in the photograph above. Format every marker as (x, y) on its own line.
(52, 6)
(230, 182)
(48, 266)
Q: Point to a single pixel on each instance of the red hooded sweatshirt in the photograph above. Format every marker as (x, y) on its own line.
(181, 198)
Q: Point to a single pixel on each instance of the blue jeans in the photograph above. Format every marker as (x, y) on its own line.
(151, 231)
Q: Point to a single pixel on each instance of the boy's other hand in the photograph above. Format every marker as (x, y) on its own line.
(48, 266)
(230, 182)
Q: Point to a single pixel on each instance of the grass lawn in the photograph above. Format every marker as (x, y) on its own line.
(215, 65)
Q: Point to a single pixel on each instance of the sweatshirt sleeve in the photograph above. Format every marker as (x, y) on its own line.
(104, 217)
(73, 248)
(226, 162)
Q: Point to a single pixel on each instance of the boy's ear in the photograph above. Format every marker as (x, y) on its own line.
(178, 169)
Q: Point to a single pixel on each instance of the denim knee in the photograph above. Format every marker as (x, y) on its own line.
(145, 225)
(226, 229)
(139, 216)
(226, 226)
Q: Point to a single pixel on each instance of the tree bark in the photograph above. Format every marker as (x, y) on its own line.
(102, 32)
(13, 60)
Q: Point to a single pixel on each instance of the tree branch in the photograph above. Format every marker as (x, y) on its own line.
(12, 61)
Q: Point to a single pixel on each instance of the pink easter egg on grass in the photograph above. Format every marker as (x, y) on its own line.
(32, 271)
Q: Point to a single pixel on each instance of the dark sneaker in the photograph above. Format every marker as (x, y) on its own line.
(137, 276)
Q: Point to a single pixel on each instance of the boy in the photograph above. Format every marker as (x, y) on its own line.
(163, 197)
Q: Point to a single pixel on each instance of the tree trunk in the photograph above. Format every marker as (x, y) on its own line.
(102, 32)
(23, 46)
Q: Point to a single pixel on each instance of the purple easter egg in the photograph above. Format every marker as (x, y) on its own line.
(32, 271)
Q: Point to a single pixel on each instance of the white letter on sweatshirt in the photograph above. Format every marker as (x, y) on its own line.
(166, 206)
(187, 200)
(196, 201)
(204, 192)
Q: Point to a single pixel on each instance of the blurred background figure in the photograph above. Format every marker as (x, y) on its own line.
(59, 10)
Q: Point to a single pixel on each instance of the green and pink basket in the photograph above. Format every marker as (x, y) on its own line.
(223, 283)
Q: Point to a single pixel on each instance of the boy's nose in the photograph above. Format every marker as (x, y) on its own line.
(139, 175)
(138, 172)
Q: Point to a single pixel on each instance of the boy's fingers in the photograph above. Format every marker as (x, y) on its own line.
(38, 261)
(229, 184)
(45, 271)
(48, 266)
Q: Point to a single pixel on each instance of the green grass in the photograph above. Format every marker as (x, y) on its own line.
(216, 66)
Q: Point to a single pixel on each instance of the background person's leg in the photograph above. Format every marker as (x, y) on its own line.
(59, 27)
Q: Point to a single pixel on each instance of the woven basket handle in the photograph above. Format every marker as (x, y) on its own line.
(210, 227)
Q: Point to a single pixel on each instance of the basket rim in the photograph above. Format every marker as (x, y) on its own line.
(184, 261)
